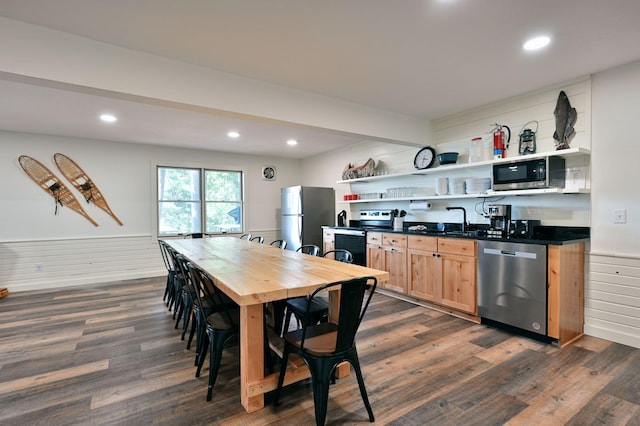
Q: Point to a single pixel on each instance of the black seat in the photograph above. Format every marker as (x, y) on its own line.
(324, 346)
(221, 325)
(319, 311)
(280, 243)
(245, 236)
(311, 249)
(257, 238)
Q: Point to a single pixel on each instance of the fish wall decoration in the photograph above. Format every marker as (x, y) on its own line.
(566, 117)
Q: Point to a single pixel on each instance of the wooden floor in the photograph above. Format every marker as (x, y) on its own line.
(109, 354)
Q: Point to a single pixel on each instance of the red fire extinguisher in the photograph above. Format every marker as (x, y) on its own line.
(500, 143)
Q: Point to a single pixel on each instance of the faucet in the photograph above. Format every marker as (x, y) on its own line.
(464, 216)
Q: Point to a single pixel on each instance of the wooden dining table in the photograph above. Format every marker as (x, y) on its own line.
(253, 274)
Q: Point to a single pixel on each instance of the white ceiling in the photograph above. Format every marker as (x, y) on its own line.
(426, 59)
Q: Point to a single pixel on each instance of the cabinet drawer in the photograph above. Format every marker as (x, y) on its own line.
(457, 246)
(374, 238)
(396, 240)
(420, 242)
(328, 234)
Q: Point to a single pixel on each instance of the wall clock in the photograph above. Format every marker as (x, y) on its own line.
(424, 158)
(268, 172)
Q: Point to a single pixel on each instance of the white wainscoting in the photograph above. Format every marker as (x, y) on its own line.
(612, 299)
(32, 265)
(54, 263)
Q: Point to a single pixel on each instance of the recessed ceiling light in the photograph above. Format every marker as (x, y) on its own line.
(536, 43)
(292, 142)
(233, 135)
(108, 118)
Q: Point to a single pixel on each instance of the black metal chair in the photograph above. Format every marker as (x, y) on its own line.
(221, 326)
(341, 255)
(185, 296)
(257, 238)
(245, 236)
(280, 243)
(319, 311)
(311, 249)
(194, 235)
(324, 346)
(169, 291)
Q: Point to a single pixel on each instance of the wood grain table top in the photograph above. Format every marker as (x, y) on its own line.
(253, 273)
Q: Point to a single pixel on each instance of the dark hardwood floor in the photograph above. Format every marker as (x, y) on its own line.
(109, 354)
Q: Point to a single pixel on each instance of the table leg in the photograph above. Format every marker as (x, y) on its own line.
(251, 354)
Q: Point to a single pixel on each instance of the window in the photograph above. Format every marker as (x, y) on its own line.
(192, 200)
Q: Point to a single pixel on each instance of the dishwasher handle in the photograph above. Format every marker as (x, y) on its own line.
(510, 253)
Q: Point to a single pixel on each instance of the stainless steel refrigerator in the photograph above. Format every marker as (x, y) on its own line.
(305, 209)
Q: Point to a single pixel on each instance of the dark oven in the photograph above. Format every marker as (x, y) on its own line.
(353, 240)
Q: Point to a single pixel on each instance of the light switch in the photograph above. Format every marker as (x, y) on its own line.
(620, 216)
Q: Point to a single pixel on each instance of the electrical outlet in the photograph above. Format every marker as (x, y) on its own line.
(620, 216)
(38, 267)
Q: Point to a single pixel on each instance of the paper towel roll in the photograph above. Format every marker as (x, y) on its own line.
(419, 205)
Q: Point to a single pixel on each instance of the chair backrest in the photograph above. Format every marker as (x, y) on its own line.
(205, 288)
(341, 255)
(311, 249)
(165, 256)
(182, 273)
(245, 236)
(258, 238)
(353, 306)
(280, 243)
(194, 235)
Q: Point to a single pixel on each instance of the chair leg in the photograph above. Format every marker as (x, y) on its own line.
(320, 398)
(283, 370)
(353, 359)
(186, 315)
(321, 372)
(179, 311)
(287, 320)
(215, 357)
(194, 321)
(167, 289)
(268, 360)
(200, 360)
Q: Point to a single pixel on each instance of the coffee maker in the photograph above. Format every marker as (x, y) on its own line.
(499, 220)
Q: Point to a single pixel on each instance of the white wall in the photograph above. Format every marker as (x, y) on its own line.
(612, 309)
(73, 251)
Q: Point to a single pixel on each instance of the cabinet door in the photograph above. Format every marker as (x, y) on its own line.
(395, 261)
(375, 256)
(458, 284)
(424, 274)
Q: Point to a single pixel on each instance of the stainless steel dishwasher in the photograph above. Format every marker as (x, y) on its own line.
(512, 284)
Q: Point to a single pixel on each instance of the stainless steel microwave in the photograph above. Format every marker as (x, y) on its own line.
(544, 172)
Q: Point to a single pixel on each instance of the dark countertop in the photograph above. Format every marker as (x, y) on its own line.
(550, 235)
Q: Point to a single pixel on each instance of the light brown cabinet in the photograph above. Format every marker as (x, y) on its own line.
(388, 252)
(443, 271)
(328, 240)
(565, 292)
